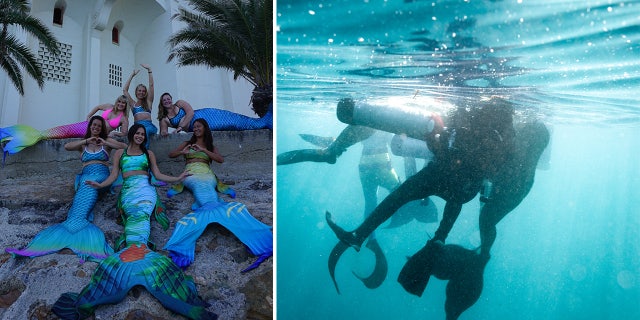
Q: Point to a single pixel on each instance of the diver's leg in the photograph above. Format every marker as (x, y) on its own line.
(414, 188)
(449, 217)
(349, 136)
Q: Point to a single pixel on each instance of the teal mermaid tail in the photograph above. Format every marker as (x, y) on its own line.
(219, 120)
(21, 136)
(220, 187)
(136, 265)
(76, 232)
(234, 216)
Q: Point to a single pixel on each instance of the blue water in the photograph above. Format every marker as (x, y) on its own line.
(570, 250)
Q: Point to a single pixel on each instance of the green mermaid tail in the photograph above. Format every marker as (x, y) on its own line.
(136, 265)
(21, 136)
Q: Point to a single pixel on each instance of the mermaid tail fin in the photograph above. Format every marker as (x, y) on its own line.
(267, 120)
(18, 137)
(21, 136)
(175, 189)
(258, 261)
(133, 266)
(82, 237)
(224, 188)
(234, 216)
(65, 308)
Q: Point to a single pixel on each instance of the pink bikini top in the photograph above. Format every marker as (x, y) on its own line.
(113, 123)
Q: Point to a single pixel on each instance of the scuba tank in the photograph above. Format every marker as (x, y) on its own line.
(413, 122)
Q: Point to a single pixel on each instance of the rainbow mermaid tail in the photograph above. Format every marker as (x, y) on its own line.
(76, 232)
(132, 266)
(219, 120)
(21, 136)
(234, 216)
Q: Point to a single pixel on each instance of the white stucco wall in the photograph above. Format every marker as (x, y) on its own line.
(146, 28)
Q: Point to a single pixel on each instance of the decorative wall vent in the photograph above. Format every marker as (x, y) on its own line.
(55, 68)
(115, 75)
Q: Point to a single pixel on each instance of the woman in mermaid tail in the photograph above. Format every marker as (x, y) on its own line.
(143, 103)
(136, 264)
(208, 208)
(77, 232)
(116, 116)
(181, 116)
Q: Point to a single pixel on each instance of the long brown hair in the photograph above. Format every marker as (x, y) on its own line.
(162, 112)
(103, 131)
(208, 137)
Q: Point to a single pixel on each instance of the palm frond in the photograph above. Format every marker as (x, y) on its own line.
(11, 67)
(16, 56)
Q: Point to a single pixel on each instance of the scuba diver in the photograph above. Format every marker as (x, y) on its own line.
(472, 148)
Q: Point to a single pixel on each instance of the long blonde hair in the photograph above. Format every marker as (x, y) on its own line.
(124, 99)
(144, 100)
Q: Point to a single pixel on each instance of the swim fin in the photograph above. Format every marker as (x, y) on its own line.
(415, 274)
(334, 257)
(302, 155)
(380, 271)
(322, 142)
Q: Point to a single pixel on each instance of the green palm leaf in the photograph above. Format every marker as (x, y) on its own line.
(16, 56)
(235, 35)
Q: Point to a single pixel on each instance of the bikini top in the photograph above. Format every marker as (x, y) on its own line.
(175, 121)
(113, 123)
(197, 155)
(133, 163)
(100, 155)
(139, 109)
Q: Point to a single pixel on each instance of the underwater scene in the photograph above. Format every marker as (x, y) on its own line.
(566, 246)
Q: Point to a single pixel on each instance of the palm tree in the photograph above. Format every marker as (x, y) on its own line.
(13, 53)
(231, 34)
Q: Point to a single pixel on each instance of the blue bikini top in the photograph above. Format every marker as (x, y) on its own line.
(100, 155)
(175, 121)
(139, 109)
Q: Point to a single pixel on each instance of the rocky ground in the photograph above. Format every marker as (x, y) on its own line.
(36, 194)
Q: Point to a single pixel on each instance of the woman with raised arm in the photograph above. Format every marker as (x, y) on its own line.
(143, 103)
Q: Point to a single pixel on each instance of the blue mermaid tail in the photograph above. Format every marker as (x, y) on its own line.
(234, 216)
(220, 120)
(208, 208)
(132, 266)
(76, 232)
